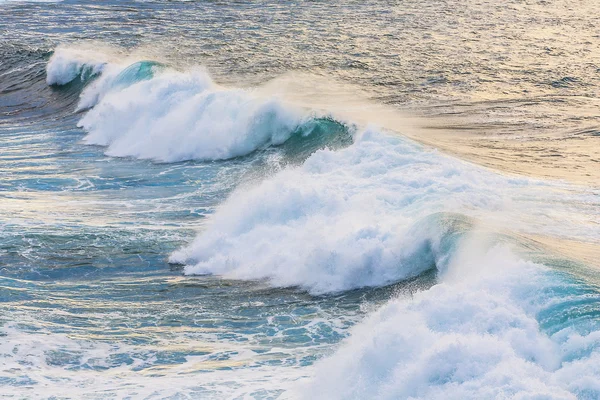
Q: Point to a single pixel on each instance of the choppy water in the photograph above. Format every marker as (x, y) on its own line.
(198, 200)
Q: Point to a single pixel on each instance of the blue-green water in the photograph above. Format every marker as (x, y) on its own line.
(172, 232)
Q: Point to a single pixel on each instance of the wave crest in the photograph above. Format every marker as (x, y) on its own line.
(183, 116)
(67, 64)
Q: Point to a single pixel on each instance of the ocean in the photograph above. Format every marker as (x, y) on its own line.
(299, 200)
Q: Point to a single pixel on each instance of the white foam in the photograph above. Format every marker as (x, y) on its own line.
(475, 337)
(67, 64)
(179, 116)
(342, 220)
(30, 369)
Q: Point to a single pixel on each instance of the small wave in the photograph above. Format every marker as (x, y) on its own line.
(98, 72)
(26, 97)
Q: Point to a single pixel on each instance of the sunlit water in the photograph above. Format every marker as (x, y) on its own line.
(162, 236)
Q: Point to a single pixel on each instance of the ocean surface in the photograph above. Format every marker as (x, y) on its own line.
(300, 200)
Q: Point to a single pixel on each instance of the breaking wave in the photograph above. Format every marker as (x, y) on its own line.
(383, 210)
(494, 327)
(149, 111)
(366, 215)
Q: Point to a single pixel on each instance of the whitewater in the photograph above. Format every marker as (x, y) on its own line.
(170, 229)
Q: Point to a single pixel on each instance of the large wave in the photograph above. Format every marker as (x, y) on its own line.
(143, 109)
(361, 216)
(495, 327)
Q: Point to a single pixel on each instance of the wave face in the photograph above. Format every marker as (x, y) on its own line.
(136, 72)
